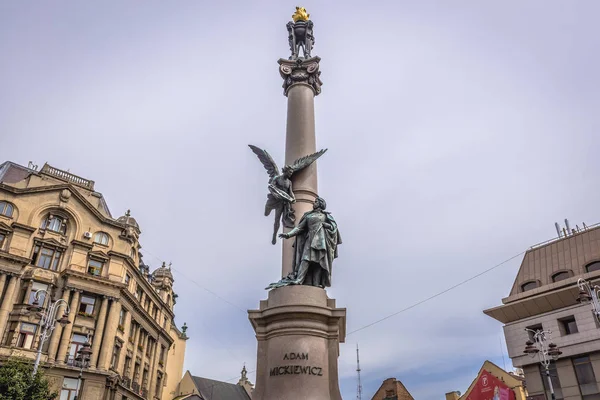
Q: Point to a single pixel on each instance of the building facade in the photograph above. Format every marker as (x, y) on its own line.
(195, 387)
(392, 389)
(493, 383)
(58, 237)
(544, 296)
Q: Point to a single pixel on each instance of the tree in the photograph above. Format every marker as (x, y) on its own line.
(17, 382)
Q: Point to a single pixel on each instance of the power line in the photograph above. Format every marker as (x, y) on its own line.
(437, 294)
(197, 284)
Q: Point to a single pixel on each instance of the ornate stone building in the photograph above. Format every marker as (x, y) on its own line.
(58, 235)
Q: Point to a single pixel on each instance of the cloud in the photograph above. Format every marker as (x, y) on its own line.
(457, 135)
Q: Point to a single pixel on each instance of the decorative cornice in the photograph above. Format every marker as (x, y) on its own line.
(134, 303)
(14, 258)
(22, 227)
(67, 273)
(51, 242)
(301, 72)
(74, 192)
(99, 254)
(4, 227)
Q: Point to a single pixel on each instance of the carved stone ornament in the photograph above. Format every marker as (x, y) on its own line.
(65, 195)
(301, 72)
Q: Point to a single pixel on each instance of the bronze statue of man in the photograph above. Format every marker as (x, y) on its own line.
(317, 238)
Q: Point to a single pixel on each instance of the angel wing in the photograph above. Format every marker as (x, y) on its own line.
(305, 161)
(266, 160)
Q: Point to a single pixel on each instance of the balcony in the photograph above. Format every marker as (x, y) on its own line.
(126, 382)
(135, 387)
(67, 177)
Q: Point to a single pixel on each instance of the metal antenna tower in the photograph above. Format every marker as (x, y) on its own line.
(359, 385)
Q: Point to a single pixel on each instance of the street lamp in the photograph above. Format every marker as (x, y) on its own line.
(48, 321)
(589, 293)
(546, 351)
(83, 358)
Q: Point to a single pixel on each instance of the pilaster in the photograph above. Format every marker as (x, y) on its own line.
(57, 331)
(127, 326)
(66, 337)
(9, 300)
(108, 342)
(99, 331)
(136, 338)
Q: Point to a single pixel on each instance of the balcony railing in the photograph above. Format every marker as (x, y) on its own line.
(135, 387)
(126, 382)
(144, 393)
(67, 176)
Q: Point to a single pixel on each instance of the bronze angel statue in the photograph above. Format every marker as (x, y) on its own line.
(281, 197)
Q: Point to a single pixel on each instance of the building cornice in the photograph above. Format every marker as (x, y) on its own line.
(79, 243)
(14, 258)
(22, 227)
(73, 189)
(135, 304)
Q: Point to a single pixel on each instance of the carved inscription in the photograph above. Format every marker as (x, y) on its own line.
(296, 369)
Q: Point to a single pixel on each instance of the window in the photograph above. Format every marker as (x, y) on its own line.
(115, 357)
(147, 304)
(77, 343)
(127, 279)
(122, 317)
(528, 286)
(42, 296)
(95, 267)
(127, 366)
(2, 240)
(165, 322)
(87, 306)
(568, 325)
(595, 266)
(101, 238)
(560, 276)
(585, 375)
(158, 384)
(138, 293)
(55, 223)
(26, 335)
(132, 253)
(131, 331)
(149, 346)
(6, 209)
(555, 381)
(534, 328)
(162, 354)
(46, 257)
(69, 389)
(154, 312)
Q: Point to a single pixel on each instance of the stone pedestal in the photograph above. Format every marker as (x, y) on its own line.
(298, 330)
(301, 83)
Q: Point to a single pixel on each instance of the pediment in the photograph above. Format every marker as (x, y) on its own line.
(4, 227)
(98, 254)
(51, 242)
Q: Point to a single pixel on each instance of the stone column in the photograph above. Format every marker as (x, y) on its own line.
(301, 85)
(98, 332)
(153, 369)
(66, 337)
(58, 330)
(9, 301)
(108, 342)
(127, 326)
(136, 337)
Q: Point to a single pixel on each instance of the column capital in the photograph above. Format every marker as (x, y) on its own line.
(301, 72)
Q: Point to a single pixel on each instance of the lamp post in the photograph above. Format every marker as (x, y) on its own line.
(589, 293)
(83, 358)
(48, 321)
(546, 351)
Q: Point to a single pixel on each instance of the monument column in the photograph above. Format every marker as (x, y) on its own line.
(299, 328)
(301, 83)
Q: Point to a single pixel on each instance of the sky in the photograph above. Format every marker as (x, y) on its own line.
(458, 133)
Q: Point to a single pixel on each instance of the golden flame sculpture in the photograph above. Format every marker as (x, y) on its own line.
(300, 14)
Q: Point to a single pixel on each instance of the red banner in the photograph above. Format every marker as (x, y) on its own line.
(488, 387)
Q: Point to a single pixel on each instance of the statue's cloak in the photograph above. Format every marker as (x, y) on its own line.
(318, 247)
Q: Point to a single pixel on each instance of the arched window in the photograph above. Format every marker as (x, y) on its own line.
(559, 276)
(101, 238)
(595, 266)
(55, 223)
(529, 285)
(6, 209)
